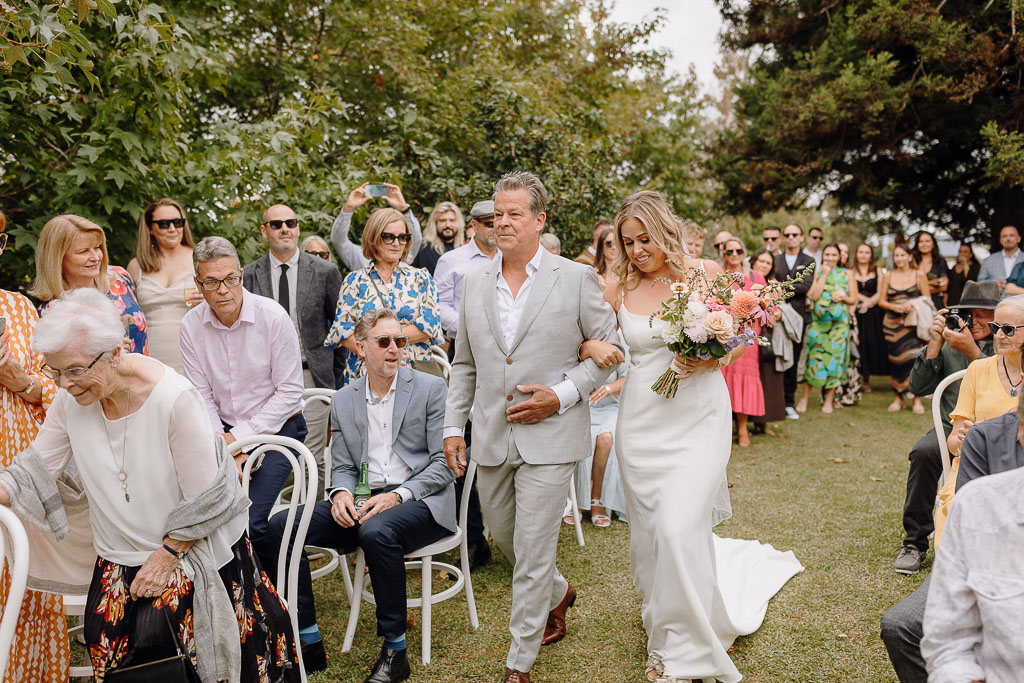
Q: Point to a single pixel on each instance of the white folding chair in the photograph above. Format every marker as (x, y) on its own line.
(424, 557)
(15, 549)
(440, 356)
(336, 561)
(572, 507)
(940, 433)
(305, 478)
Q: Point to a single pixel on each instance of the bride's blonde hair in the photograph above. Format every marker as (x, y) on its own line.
(664, 229)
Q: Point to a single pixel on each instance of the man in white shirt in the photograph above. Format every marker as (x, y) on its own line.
(241, 353)
(307, 288)
(998, 266)
(413, 499)
(813, 248)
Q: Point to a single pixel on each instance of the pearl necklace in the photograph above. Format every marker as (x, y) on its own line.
(121, 475)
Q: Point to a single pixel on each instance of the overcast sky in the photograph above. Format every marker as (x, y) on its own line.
(690, 32)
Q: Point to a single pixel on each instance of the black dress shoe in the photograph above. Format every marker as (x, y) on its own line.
(479, 554)
(392, 666)
(314, 657)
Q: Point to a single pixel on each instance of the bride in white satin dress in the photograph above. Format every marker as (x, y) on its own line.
(699, 591)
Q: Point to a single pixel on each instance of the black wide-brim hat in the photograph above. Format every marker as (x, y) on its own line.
(980, 295)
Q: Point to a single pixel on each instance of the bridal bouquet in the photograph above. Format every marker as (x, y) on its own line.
(708, 319)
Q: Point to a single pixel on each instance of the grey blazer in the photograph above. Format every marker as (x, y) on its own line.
(565, 307)
(419, 412)
(317, 288)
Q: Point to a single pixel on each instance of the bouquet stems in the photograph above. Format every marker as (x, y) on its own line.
(667, 384)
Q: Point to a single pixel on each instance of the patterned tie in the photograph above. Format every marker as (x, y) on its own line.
(283, 297)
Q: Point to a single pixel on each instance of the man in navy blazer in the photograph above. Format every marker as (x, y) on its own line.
(392, 419)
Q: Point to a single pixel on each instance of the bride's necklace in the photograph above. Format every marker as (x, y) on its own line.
(1013, 387)
(121, 475)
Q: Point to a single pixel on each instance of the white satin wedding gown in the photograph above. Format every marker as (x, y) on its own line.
(699, 591)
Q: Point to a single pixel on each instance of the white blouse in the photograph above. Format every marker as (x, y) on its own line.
(169, 457)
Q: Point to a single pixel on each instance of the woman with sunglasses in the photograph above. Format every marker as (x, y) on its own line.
(834, 296)
(743, 376)
(388, 282)
(72, 252)
(990, 388)
(607, 250)
(162, 271)
(40, 651)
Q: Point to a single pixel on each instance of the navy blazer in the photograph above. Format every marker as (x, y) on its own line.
(418, 441)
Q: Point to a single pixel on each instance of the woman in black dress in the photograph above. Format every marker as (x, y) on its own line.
(871, 342)
(930, 262)
(966, 270)
(771, 379)
(898, 286)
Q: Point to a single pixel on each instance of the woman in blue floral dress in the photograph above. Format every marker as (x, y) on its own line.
(834, 295)
(391, 283)
(72, 252)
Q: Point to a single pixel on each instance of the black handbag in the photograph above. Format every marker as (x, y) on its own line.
(177, 669)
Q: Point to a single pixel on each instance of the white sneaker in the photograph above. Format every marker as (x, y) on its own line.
(791, 414)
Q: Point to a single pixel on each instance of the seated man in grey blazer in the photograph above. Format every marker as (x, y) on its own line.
(391, 419)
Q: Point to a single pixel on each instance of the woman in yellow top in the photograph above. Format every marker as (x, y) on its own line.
(989, 389)
(40, 652)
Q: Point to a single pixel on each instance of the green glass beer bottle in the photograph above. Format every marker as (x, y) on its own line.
(362, 492)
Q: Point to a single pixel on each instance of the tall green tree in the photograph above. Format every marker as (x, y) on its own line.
(232, 105)
(900, 110)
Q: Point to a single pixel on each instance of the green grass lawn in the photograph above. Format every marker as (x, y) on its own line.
(842, 519)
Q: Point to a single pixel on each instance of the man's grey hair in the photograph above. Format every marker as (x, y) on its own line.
(313, 238)
(550, 241)
(213, 248)
(370, 319)
(82, 317)
(1017, 301)
(524, 180)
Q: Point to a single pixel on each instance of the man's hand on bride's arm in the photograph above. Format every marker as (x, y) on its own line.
(543, 403)
(687, 367)
(604, 354)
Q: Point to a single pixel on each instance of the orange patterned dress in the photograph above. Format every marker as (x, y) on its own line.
(40, 652)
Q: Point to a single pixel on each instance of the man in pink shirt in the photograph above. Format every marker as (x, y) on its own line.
(241, 352)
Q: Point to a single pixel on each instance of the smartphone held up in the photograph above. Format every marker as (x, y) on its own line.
(377, 190)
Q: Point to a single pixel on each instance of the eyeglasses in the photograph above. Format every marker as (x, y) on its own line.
(733, 252)
(3, 240)
(718, 245)
(70, 373)
(325, 255)
(609, 243)
(384, 341)
(276, 225)
(1008, 330)
(168, 223)
(814, 237)
(487, 224)
(771, 239)
(791, 234)
(212, 285)
(390, 237)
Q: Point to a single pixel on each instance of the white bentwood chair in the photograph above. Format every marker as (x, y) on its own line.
(572, 507)
(305, 480)
(440, 356)
(424, 557)
(940, 433)
(15, 549)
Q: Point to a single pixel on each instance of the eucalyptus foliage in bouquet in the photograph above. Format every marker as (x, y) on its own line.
(708, 319)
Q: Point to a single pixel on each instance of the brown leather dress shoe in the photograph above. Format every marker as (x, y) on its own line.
(512, 676)
(555, 630)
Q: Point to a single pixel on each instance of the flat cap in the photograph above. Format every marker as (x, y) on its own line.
(482, 209)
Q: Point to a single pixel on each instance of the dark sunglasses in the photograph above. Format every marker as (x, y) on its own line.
(168, 223)
(1008, 330)
(384, 341)
(276, 225)
(390, 237)
(771, 239)
(609, 243)
(791, 234)
(486, 224)
(718, 245)
(732, 252)
(325, 255)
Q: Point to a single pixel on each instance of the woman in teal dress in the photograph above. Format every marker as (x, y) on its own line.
(834, 295)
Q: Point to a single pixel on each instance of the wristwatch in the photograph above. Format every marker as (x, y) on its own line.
(177, 553)
(399, 496)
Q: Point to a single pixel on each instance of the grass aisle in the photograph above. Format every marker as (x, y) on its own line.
(842, 519)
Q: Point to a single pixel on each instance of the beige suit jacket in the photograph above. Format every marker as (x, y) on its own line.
(565, 307)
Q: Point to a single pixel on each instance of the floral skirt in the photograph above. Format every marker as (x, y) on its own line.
(121, 632)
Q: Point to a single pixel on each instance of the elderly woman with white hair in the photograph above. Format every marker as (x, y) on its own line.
(152, 509)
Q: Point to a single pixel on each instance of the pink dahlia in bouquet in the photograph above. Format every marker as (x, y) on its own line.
(708, 319)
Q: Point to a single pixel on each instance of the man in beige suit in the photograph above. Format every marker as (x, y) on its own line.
(522, 320)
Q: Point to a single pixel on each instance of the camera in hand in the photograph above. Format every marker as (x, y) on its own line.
(958, 319)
